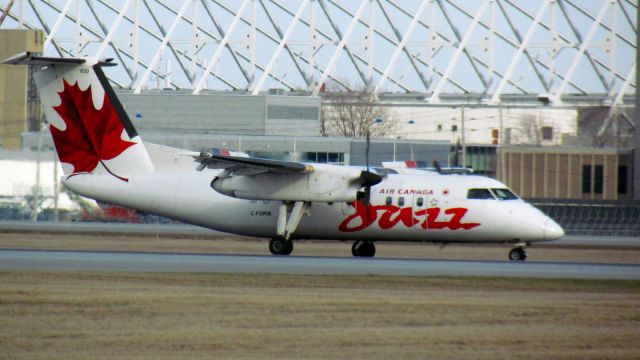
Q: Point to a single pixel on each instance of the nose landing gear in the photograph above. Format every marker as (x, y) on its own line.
(517, 254)
(362, 248)
(280, 246)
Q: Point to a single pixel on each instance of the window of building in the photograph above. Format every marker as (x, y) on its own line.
(454, 127)
(586, 179)
(479, 194)
(401, 201)
(547, 133)
(325, 157)
(334, 158)
(292, 112)
(507, 136)
(622, 179)
(598, 179)
(439, 127)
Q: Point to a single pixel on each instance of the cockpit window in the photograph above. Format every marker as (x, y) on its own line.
(504, 194)
(480, 194)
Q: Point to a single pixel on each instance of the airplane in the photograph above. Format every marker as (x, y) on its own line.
(104, 158)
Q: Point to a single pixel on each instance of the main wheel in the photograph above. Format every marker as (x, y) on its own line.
(280, 246)
(363, 249)
(517, 254)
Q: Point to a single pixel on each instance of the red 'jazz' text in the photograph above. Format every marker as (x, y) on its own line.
(389, 216)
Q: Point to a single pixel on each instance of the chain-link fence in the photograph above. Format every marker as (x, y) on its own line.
(608, 219)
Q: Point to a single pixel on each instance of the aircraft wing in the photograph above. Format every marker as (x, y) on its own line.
(262, 179)
(237, 165)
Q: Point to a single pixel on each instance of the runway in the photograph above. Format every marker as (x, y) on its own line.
(86, 228)
(55, 260)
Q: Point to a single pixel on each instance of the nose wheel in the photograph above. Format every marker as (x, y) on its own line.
(517, 254)
(280, 246)
(363, 249)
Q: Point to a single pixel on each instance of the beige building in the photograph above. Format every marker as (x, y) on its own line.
(19, 106)
(566, 173)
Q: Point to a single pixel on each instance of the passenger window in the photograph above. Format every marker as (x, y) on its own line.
(420, 202)
(504, 194)
(388, 201)
(479, 194)
(401, 201)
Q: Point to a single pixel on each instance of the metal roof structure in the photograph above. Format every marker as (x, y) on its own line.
(442, 50)
(511, 53)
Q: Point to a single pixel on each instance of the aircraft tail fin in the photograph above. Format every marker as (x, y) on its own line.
(91, 131)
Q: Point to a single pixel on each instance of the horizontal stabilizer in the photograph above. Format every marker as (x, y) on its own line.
(28, 58)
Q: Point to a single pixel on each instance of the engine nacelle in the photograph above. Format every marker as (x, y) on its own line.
(327, 183)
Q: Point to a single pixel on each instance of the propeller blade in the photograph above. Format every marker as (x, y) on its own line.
(436, 165)
(368, 178)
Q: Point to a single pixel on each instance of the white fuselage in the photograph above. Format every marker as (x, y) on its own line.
(430, 208)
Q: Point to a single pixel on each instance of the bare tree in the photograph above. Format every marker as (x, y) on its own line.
(352, 113)
(590, 121)
(530, 129)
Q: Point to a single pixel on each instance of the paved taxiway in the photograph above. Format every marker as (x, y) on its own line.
(55, 260)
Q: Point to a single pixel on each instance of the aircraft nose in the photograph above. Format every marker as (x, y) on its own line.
(552, 230)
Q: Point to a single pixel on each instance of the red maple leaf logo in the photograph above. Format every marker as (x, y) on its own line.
(92, 135)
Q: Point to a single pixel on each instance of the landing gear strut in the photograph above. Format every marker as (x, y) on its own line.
(287, 225)
(362, 248)
(517, 254)
(280, 246)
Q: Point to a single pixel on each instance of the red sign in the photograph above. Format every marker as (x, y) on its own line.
(388, 216)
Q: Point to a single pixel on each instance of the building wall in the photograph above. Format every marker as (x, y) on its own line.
(223, 114)
(390, 150)
(186, 113)
(482, 125)
(18, 106)
(293, 116)
(560, 173)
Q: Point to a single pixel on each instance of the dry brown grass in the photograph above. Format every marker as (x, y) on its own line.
(107, 315)
(240, 245)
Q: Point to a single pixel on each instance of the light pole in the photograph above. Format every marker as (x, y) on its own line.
(410, 123)
(377, 121)
(464, 144)
(36, 189)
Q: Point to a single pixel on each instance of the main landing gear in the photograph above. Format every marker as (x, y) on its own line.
(280, 246)
(517, 254)
(287, 225)
(362, 248)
